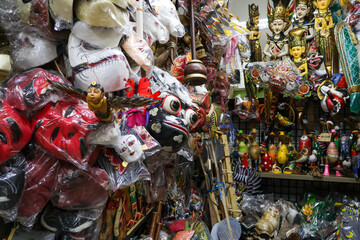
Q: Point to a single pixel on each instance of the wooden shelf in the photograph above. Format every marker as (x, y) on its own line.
(331, 178)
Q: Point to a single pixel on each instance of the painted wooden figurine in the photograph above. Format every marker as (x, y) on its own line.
(304, 18)
(254, 37)
(298, 50)
(324, 31)
(97, 102)
(279, 21)
(254, 150)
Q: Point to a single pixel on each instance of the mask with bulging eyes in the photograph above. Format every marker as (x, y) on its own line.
(129, 148)
(106, 66)
(169, 122)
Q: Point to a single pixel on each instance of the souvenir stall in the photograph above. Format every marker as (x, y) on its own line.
(184, 120)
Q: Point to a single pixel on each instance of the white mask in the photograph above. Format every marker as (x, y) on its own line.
(107, 66)
(129, 148)
(32, 51)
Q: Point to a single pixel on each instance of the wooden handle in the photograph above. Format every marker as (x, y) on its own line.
(192, 30)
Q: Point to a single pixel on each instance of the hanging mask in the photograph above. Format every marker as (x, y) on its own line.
(78, 189)
(31, 50)
(41, 172)
(62, 130)
(106, 66)
(78, 224)
(169, 122)
(62, 13)
(12, 182)
(129, 148)
(113, 13)
(30, 90)
(15, 131)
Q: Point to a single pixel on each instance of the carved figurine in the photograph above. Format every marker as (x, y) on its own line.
(297, 50)
(254, 150)
(254, 37)
(279, 21)
(324, 31)
(283, 152)
(332, 153)
(97, 101)
(304, 18)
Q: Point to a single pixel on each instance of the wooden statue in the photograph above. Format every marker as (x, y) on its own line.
(254, 37)
(279, 21)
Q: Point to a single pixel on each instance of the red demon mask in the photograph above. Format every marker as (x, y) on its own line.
(15, 131)
(27, 91)
(62, 130)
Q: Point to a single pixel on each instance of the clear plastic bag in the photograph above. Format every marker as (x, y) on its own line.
(100, 36)
(166, 12)
(162, 81)
(72, 224)
(40, 174)
(62, 130)
(113, 13)
(12, 183)
(62, 14)
(27, 26)
(155, 28)
(120, 176)
(245, 108)
(139, 51)
(76, 189)
(93, 63)
(30, 91)
(15, 131)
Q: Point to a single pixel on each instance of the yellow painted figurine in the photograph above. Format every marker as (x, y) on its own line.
(97, 102)
(297, 50)
(283, 152)
(324, 29)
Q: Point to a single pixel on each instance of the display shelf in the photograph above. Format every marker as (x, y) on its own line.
(309, 178)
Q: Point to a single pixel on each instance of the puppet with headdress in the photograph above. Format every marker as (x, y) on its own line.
(279, 21)
(298, 50)
(254, 37)
(324, 31)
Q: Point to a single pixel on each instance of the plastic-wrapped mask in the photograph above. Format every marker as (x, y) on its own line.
(62, 13)
(169, 122)
(31, 50)
(129, 148)
(113, 12)
(165, 11)
(62, 130)
(106, 66)
(12, 182)
(30, 90)
(15, 131)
